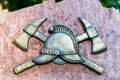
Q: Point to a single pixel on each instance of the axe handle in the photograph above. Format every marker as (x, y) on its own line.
(23, 66)
(82, 37)
(40, 36)
(88, 63)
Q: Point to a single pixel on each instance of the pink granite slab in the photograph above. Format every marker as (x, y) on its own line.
(107, 22)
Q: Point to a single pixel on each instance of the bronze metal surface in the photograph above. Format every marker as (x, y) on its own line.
(29, 31)
(61, 46)
(91, 33)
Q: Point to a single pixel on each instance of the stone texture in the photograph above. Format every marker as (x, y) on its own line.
(107, 21)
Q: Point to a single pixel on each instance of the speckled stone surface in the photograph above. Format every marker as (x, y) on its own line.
(107, 22)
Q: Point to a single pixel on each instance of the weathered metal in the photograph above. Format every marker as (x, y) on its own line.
(61, 46)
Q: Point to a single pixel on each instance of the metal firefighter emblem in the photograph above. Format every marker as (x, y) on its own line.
(61, 46)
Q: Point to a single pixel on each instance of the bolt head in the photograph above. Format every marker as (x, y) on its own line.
(51, 29)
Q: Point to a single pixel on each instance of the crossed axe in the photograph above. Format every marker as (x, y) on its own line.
(31, 30)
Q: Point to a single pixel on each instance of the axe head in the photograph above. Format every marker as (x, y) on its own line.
(98, 46)
(22, 40)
